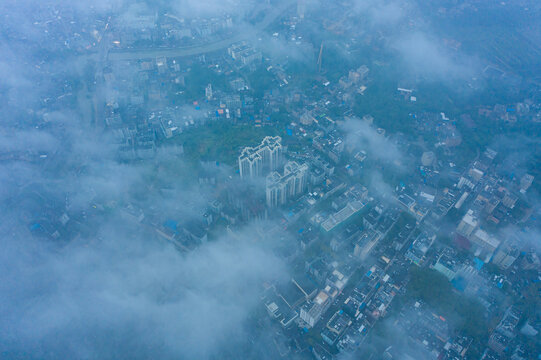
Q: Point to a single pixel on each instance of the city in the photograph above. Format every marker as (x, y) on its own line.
(271, 179)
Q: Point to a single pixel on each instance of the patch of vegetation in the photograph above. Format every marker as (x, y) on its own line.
(466, 314)
(199, 77)
(221, 141)
(260, 80)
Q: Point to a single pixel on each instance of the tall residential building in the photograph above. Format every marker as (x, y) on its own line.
(260, 160)
(281, 188)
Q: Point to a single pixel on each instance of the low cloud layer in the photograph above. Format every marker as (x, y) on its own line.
(425, 57)
(362, 136)
(119, 296)
(113, 289)
(405, 30)
(380, 13)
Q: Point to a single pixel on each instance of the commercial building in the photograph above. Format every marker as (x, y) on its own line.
(483, 244)
(336, 326)
(347, 205)
(311, 314)
(468, 224)
(506, 254)
(418, 249)
(366, 243)
(446, 264)
(244, 53)
(278, 308)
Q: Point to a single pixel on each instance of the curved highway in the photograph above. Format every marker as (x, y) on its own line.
(134, 54)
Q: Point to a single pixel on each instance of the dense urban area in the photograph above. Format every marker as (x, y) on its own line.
(270, 179)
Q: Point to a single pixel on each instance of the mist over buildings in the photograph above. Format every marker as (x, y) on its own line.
(128, 230)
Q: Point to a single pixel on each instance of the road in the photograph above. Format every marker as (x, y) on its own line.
(134, 54)
(91, 97)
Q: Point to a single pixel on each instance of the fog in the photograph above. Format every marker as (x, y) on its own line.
(424, 57)
(113, 290)
(121, 296)
(79, 278)
(362, 136)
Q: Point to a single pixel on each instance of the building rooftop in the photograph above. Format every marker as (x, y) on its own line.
(321, 297)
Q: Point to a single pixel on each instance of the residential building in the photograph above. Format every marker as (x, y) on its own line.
(259, 160)
(281, 188)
